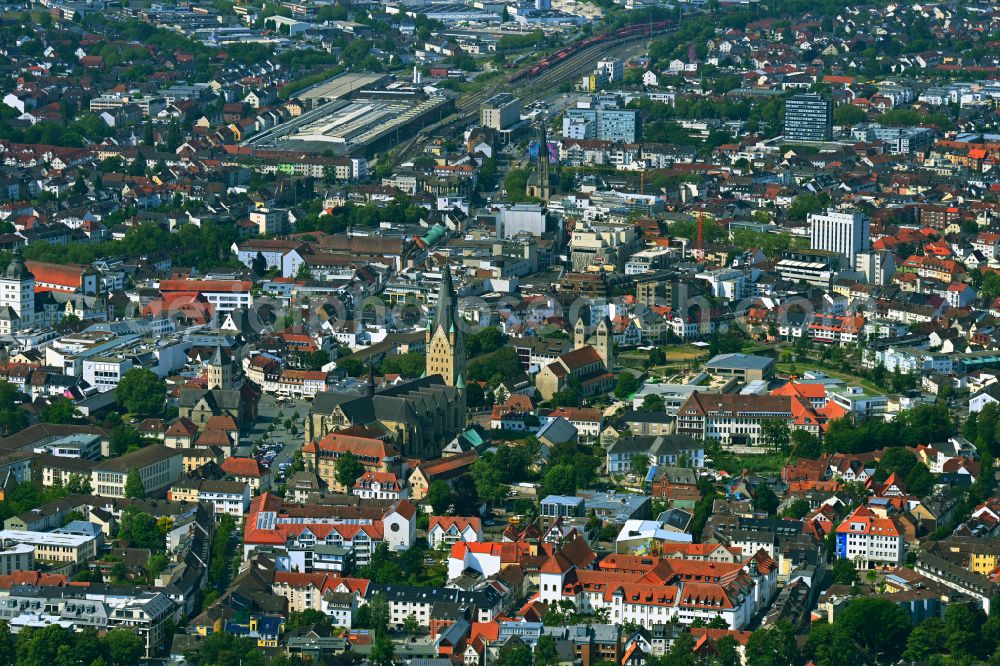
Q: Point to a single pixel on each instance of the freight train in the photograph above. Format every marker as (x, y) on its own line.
(622, 33)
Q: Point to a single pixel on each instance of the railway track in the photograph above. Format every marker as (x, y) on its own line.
(570, 68)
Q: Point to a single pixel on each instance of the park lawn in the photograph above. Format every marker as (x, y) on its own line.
(765, 464)
(684, 352)
(674, 353)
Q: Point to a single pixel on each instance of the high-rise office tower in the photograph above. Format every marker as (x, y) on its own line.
(808, 117)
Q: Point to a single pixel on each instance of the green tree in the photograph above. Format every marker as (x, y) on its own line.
(140, 391)
(60, 410)
(962, 638)
(844, 572)
(926, 640)
(805, 445)
(652, 403)
(225, 649)
(379, 612)
(7, 652)
(79, 484)
(727, 653)
(559, 480)
(124, 438)
(489, 478)
(140, 529)
(259, 265)
(878, 625)
(832, 645)
(348, 469)
(681, 652)
(640, 465)
(848, 114)
(775, 434)
(765, 500)
(773, 646)
(310, 617)
(796, 510)
(466, 496)
(546, 653)
(439, 497)
(156, 564)
(514, 653)
(124, 647)
(626, 385)
(382, 650)
(39, 646)
(133, 485)
(12, 417)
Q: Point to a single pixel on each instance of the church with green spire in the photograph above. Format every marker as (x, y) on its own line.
(445, 339)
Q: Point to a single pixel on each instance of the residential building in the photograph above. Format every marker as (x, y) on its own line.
(661, 450)
(449, 530)
(869, 540)
(225, 497)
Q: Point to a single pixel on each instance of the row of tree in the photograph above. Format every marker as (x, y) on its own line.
(55, 645)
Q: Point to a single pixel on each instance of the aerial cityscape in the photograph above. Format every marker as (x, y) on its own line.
(499, 333)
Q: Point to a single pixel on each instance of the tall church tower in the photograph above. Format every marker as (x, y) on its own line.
(17, 292)
(603, 341)
(601, 338)
(445, 341)
(221, 374)
(539, 184)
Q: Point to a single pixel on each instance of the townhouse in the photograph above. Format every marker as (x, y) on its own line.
(869, 540)
(305, 591)
(587, 420)
(405, 600)
(448, 530)
(225, 497)
(359, 529)
(662, 450)
(658, 591)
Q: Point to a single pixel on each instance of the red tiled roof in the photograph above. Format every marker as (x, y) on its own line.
(200, 286)
(68, 276)
(320, 581)
(446, 522)
(182, 427)
(32, 578)
(242, 467)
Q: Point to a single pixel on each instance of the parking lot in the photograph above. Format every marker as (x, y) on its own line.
(274, 434)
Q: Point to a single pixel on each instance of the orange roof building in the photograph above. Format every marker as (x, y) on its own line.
(869, 540)
(271, 521)
(647, 590)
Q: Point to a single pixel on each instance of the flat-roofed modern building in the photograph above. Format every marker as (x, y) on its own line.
(808, 117)
(52, 546)
(500, 111)
(845, 232)
(158, 467)
(16, 557)
(744, 367)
